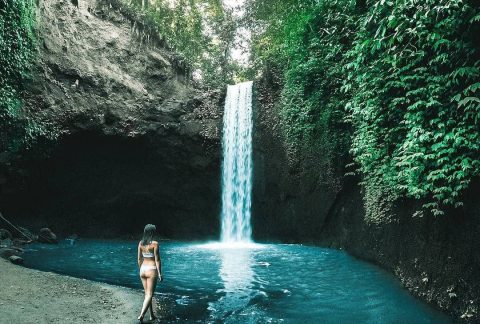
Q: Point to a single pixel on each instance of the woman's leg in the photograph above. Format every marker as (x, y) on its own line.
(152, 314)
(144, 284)
(154, 285)
(151, 282)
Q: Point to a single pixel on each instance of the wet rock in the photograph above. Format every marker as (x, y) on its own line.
(70, 241)
(8, 252)
(47, 236)
(16, 259)
(5, 234)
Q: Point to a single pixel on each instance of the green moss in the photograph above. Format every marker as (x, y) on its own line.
(17, 39)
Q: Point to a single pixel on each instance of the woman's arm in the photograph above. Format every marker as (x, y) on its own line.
(140, 256)
(158, 261)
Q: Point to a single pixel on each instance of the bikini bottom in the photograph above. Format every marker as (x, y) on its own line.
(146, 267)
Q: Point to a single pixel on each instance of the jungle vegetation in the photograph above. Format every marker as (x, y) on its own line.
(404, 74)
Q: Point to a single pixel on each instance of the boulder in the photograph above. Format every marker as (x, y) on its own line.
(5, 234)
(15, 259)
(47, 236)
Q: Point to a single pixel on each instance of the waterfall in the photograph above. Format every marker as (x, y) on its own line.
(237, 164)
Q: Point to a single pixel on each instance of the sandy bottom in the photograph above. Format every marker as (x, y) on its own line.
(31, 296)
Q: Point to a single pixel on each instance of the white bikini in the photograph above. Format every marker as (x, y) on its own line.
(146, 267)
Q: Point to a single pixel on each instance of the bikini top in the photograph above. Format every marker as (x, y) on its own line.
(147, 254)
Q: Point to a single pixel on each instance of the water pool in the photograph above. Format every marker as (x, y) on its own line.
(264, 283)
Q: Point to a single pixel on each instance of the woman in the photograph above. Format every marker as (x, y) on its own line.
(150, 268)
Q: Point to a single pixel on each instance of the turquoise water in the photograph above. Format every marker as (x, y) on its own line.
(271, 283)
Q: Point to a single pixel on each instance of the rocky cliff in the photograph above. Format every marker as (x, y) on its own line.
(134, 141)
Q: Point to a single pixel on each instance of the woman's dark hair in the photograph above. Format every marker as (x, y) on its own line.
(148, 234)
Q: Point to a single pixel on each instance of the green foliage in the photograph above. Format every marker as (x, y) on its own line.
(17, 20)
(272, 23)
(404, 74)
(415, 68)
(312, 101)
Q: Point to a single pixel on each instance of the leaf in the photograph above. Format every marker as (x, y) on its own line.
(475, 19)
(441, 42)
(467, 100)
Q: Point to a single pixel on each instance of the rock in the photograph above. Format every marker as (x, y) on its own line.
(6, 243)
(5, 234)
(15, 259)
(47, 236)
(8, 252)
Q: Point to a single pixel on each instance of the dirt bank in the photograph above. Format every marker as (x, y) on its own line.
(31, 296)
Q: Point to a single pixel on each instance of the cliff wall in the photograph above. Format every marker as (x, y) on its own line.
(134, 141)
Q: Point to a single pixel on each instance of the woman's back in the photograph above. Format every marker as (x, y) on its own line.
(148, 250)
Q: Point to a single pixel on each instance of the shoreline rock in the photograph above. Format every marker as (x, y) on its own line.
(47, 236)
